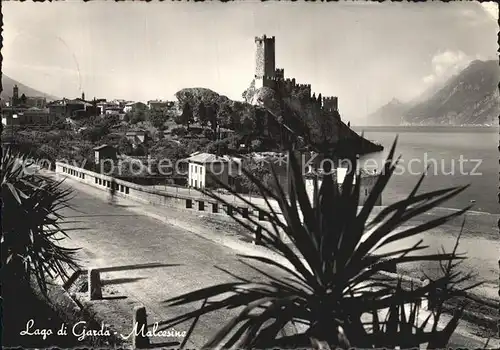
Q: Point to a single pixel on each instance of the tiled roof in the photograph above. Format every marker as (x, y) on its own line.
(79, 101)
(204, 158)
(135, 103)
(101, 147)
(136, 132)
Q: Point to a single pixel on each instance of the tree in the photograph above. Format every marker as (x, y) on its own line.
(209, 134)
(219, 147)
(201, 113)
(225, 116)
(125, 146)
(30, 248)
(256, 145)
(179, 131)
(140, 150)
(95, 133)
(186, 117)
(211, 116)
(157, 118)
(169, 150)
(195, 145)
(247, 122)
(135, 116)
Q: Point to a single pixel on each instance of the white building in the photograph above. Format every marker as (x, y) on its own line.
(368, 181)
(129, 107)
(201, 165)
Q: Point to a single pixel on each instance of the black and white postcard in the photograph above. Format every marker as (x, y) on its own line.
(250, 175)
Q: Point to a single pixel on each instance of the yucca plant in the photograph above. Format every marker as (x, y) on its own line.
(336, 280)
(31, 226)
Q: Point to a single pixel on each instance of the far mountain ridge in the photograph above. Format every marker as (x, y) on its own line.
(389, 114)
(470, 97)
(8, 84)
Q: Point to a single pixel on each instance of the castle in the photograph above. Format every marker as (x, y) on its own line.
(267, 75)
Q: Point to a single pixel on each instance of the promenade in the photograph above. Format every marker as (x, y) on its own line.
(479, 240)
(128, 234)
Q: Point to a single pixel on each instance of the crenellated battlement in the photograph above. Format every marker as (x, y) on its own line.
(280, 73)
(267, 75)
(264, 38)
(330, 103)
(304, 86)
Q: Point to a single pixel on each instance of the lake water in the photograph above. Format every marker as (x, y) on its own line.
(458, 157)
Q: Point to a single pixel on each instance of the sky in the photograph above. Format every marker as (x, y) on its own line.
(364, 53)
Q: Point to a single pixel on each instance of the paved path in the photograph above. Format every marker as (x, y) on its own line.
(480, 240)
(121, 235)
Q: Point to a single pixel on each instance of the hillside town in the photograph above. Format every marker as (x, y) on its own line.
(198, 129)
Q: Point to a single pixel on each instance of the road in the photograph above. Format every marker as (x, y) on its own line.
(118, 235)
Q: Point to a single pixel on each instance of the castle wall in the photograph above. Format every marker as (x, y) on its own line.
(330, 103)
(267, 75)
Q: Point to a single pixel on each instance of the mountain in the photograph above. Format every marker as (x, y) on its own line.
(8, 84)
(389, 114)
(469, 98)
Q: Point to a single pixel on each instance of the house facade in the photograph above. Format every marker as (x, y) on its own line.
(26, 116)
(104, 152)
(159, 104)
(137, 137)
(202, 166)
(368, 181)
(133, 106)
(37, 116)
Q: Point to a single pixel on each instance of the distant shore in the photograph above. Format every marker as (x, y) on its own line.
(427, 128)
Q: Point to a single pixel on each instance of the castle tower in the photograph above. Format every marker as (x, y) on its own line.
(83, 96)
(265, 66)
(15, 95)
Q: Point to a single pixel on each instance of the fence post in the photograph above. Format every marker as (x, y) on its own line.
(258, 235)
(426, 303)
(139, 323)
(94, 284)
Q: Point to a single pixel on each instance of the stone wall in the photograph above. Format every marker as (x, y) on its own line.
(148, 195)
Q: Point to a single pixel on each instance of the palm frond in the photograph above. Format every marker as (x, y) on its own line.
(335, 264)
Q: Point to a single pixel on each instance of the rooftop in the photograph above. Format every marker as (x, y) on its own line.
(135, 132)
(204, 158)
(102, 147)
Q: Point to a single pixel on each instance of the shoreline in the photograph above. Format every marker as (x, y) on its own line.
(427, 128)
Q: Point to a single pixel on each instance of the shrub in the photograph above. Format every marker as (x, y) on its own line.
(179, 131)
(335, 279)
(256, 145)
(217, 147)
(30, 226)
